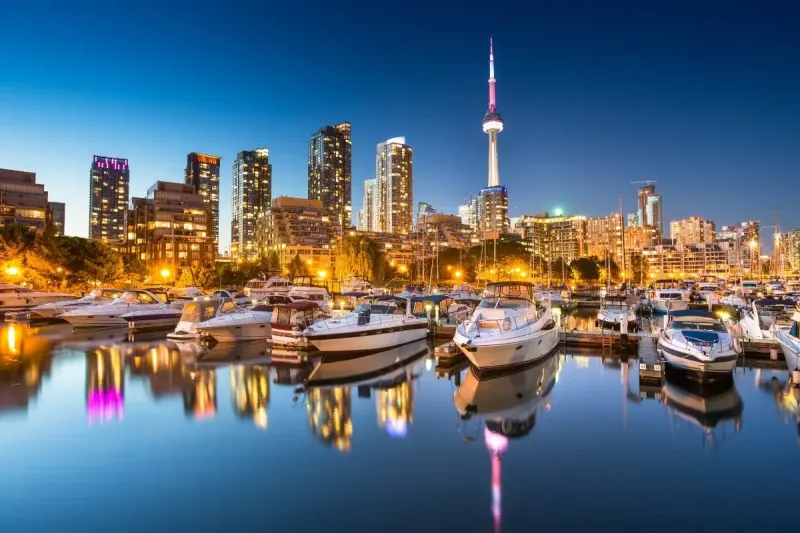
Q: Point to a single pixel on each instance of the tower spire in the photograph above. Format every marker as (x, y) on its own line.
(492, 102)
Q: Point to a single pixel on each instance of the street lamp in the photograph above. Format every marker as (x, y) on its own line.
(322, 274)
(165, 274)
(12, 271)
(458, 274)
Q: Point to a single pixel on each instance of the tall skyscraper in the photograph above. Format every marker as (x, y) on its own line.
(395, 176)
(109, 181)
(644, 192)
(202, 173)
(693, 230)
(329, 173)
(654, 213)
(494, 198)
(367, 221)
(252, 196)
(56, 215)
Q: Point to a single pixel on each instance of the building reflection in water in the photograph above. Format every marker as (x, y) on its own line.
(105, 384)
(329, 416)
(168, 374)
(250, 392)
(395, 408)
(25, 360)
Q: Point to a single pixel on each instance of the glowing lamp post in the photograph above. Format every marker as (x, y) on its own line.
(165, 274)
(12, 271)
(458, 274)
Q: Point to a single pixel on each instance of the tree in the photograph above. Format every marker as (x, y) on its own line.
(297, 267)
(360, 256)
(134, 267)
(204, 278)
(586, 268)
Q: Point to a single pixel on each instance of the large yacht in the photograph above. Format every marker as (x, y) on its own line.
(508, 328)
(370, 327)
(789, 341)
(289, 322)
(698, 344)
(16, 298)
(259, 287)
(96, 297)
(668, 296)
(110, 314)
(244, 325)
(165, 316)
(766, 315)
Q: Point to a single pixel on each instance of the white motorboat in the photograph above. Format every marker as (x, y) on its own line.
(259, 288)
(96, 297)
(245, 325)
(748, 288)
(789, 341)
(370, 327)
(708, 291)
(731, 300)
(411, 291)
(360, 285)
(318, 295)
(110, 314)
(614, 310)
(463, 292)
(508, 403)
(16, 298)
(201, 309)
(165, 316)
(289, 322)
(669, 300)
(698, 344)
(508, 328)
(370, 370)
(766, 315)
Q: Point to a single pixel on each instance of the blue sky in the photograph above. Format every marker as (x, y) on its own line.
(699, 96)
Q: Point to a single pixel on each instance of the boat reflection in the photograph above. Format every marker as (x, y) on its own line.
(25, 359)
(389, 373)
(786, 395)
(706, 407)
(105, 385)
(250, 392)
(508, 406)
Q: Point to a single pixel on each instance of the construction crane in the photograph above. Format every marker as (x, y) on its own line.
(646, 182)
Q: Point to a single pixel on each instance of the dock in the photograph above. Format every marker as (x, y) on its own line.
(651, 367)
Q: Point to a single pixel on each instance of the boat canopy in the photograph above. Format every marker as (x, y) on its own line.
(355, 294)
(510, 289)
(693, 313)
(774, 302)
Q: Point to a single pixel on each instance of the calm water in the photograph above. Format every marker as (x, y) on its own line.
(100, 434)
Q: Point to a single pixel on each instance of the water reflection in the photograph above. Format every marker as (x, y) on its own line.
(508, 406)
(105, 385)
(330, 416)
(786, 395)
(250, 392)
(708, 407)
(24, 362)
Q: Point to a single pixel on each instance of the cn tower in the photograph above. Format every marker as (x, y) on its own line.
(492, 123)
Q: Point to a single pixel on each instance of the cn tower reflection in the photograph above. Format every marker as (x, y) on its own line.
(105, 384)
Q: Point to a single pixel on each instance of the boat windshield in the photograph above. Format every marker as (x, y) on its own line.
(504, 303)
(670, 295)
(379, 309)
(134, 297)
(615, 307)
(697, 325)
(509, 291)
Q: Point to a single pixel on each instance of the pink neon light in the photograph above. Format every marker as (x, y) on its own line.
(103, 405)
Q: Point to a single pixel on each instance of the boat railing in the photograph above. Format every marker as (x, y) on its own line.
(497, 326)
(354, 322)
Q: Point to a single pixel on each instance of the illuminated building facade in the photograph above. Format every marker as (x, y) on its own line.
(299, 227)
(56, 215)
(470, 212)
(746, 237)
(169, 229)
(791, 241)
(109, 189)
(250, 392)
(202, 173)
(554, 238)
(105, 384)
(22, 200)
(445, 231)
(693, 230)
(330, 416)
(329, 173)
(680, 261)
(395, 181)
(493, 212)
(367, 216)
(252, 197)
(604, 237)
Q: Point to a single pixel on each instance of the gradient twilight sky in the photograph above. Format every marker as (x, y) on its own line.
(700, 96)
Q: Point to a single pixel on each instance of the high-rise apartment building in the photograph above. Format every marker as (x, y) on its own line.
(395, 181)
(693, 230)
(604, 237)
(791, 241)
(170, 229)
(470, 212)
(22, 200)
(654, 213)
(109, 182)
(56, 215)
(202, 173)
(644, 192)
(424, 210)
(633, 220)
(252, 197)
(367, 216)
(300, 227)
(552, 238)
(493, 212)
(329, 174)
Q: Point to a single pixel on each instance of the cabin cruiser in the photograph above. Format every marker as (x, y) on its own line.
(110, 314)
(366, 370)
(668, 300)
(289, 322)
(747, 288)
(508, 403)
(558, 294)
(790, 342)
(508, 328)
(360, 285)
(463, 292)
(369, 327)
(410, 291)
(708, 291)
(765, 315)
(259, 287)
(318, 295)
(16, 298)
(616, 309)
(698, 344)
(183, 293)
(96, 297)
(733, 301)
(701, 406)
(235, 296)
(166, 316)
(199, 310)
(245, 325)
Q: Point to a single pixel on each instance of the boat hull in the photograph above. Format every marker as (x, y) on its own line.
(665, 306)
(293, 340)
(95, 321)
(354, 341)
(503, 354)
(698, 367)
(790, 348)
(237, 333)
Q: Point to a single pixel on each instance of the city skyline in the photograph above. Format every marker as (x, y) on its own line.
(573, 138)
